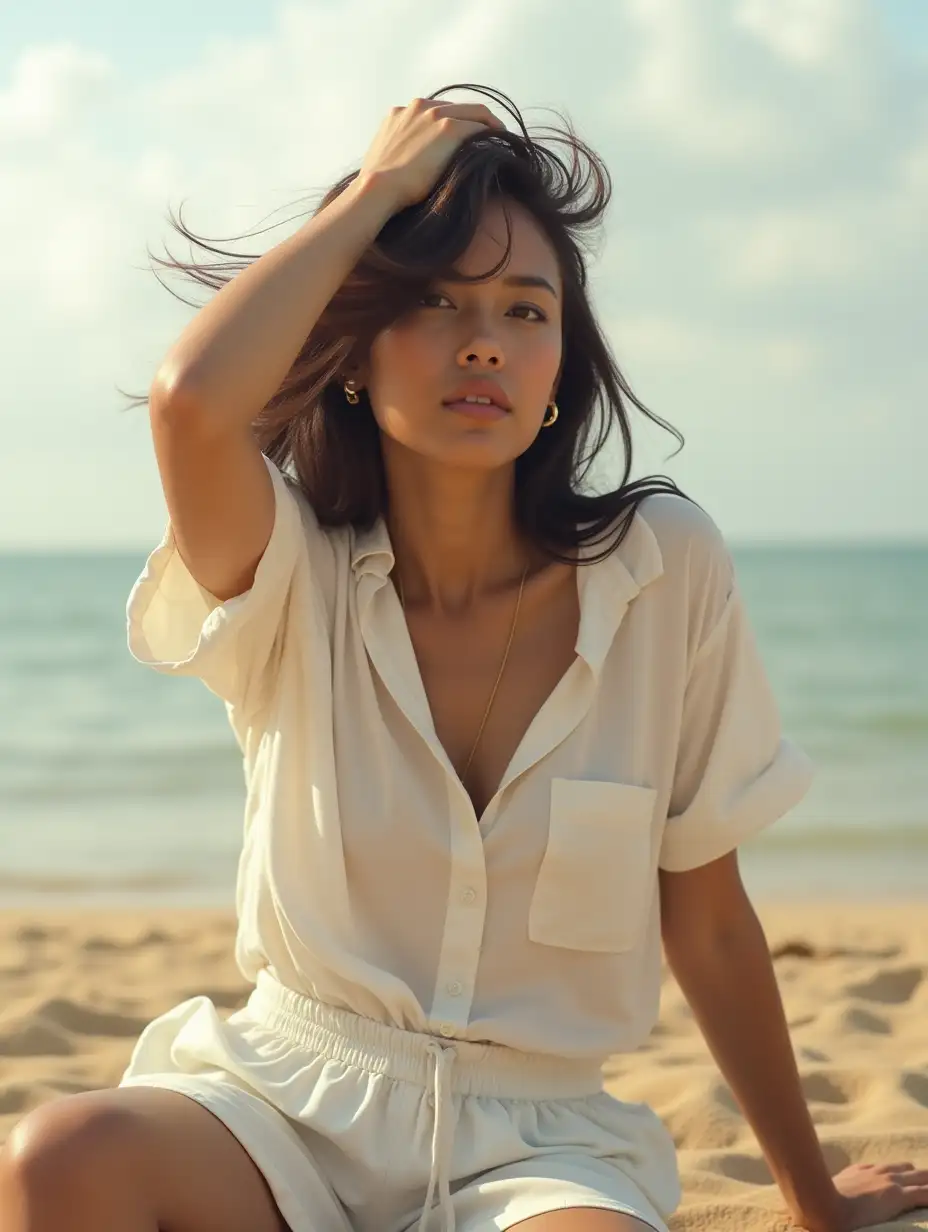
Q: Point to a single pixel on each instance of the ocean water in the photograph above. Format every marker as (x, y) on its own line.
(122, 786)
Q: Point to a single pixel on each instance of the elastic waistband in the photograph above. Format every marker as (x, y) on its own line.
(479, 1068)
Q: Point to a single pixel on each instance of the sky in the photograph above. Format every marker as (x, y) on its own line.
(761, 275)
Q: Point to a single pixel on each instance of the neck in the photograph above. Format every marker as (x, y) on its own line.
(455, 540)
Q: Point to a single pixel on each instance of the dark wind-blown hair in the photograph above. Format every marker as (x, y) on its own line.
(335, 447)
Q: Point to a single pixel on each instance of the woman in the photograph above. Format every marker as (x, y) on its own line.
(487, 769)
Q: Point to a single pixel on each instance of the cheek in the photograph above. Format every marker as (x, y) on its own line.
(404, 356)
(539, 364)
(548, 348)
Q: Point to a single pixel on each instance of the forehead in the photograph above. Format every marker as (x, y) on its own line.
(531, 250)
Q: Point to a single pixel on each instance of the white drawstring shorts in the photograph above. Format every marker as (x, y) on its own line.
(359, 1126)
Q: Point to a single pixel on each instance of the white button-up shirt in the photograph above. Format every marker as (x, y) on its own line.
(366, 878)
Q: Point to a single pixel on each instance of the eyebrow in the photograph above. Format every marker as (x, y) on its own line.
(529, 280)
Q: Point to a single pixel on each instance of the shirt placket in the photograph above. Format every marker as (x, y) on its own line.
(465, 917)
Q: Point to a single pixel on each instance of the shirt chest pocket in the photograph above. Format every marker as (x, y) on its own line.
(594, 885)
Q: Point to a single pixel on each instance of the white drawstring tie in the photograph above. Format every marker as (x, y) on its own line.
(442, 1137)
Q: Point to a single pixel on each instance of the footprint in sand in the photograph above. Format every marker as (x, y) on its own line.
(64, 1086)
(222, 998)
(856, 1019)
(916, 1085)
(740, 1168)
(889, 987)
(13, 1099)
(18, 972)
(153, 936)
(85, 1021)
(819, 1088)
(29, 1038)
(45, 1030)
(841, 1020)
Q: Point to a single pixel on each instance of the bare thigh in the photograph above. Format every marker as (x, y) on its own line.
(582, 1220)
(141, 1155)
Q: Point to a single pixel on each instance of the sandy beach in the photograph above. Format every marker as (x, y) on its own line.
(77, 987)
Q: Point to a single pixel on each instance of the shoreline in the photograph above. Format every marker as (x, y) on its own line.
(870, 873)
(62, 905)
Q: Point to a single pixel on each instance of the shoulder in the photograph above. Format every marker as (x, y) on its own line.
(318, 549)
(675, 518)
(680, 523)
(693, 549)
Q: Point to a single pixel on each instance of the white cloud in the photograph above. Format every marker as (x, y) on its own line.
(50, 91)
(649, 339)
(677, 87)
(765, 243)
(780, 246)
(808, 33)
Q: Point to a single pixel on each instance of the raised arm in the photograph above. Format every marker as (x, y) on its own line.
(224, 368)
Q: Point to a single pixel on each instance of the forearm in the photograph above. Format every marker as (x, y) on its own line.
(233, 356)
(732, 989)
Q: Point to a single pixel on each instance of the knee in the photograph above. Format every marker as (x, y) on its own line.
(63, 1147)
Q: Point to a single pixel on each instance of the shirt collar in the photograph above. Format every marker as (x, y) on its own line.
(605, 588)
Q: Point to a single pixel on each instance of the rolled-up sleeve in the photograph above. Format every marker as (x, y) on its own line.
(735, 772)
(176, 626)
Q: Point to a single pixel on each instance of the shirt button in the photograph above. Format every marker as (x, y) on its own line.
(454, 988)
(446, 1030)
(469, 895)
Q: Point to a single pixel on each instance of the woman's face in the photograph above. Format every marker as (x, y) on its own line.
(509, 334)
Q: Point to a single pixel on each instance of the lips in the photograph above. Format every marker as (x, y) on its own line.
(461, 404)
(480, 389)
(476, 410)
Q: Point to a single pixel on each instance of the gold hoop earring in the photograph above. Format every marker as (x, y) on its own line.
(352, 394)
(546, 422)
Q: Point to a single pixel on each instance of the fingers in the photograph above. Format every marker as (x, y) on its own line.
(916, 1196)
(471, 111)
(913, 1180)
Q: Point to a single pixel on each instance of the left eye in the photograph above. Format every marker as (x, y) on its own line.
(518, 307)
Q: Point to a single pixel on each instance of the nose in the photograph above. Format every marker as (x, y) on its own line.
(483, 354)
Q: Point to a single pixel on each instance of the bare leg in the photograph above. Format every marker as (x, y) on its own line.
(581, 1220)
(132, 1159)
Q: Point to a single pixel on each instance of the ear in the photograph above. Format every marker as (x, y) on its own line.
(557, 380)
(358, 373)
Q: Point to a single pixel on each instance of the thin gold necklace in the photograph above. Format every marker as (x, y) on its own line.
(501, 670)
